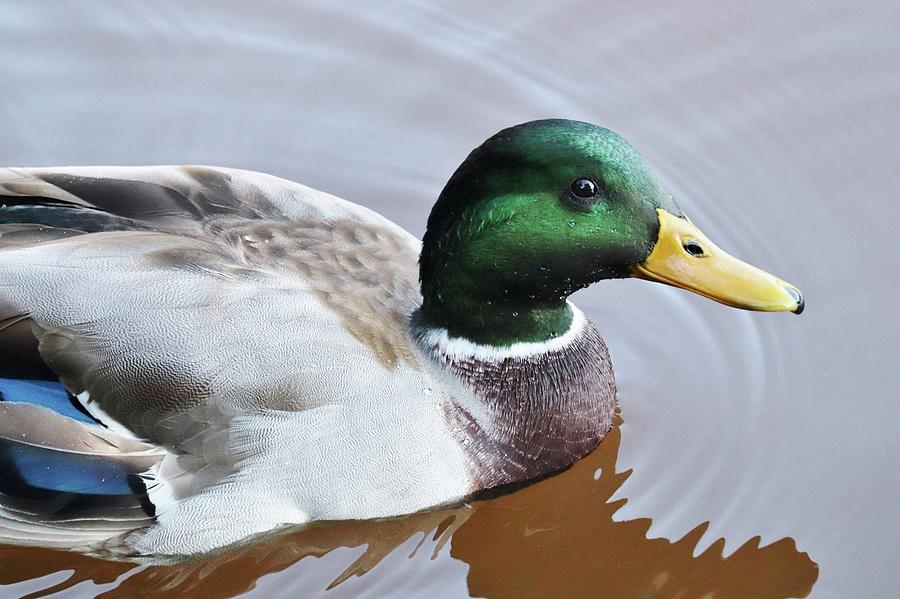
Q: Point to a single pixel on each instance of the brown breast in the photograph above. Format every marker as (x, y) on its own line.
(546, 411)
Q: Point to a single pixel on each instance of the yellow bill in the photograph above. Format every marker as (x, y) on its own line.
(684, 257)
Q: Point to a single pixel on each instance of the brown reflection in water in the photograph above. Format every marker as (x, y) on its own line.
(555, 538)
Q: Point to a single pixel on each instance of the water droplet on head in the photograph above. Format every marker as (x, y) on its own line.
(572, 223)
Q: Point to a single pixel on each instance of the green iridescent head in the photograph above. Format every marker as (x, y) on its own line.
(535, 213)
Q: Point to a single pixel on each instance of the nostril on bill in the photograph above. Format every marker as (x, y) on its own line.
(692, 247)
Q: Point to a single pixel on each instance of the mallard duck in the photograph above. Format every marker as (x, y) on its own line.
(190, 356)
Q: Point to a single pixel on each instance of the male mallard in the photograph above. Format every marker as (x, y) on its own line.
(192, 355)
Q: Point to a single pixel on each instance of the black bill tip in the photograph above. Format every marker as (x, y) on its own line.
(798, 297)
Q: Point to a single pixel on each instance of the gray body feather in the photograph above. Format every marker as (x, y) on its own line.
(251, 336)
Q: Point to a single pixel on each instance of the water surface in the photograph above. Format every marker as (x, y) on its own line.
(757, 453)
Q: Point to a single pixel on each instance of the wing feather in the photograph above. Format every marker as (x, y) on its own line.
(180, 302)
(205, 286)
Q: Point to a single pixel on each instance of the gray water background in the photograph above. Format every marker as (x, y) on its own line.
(774, 124)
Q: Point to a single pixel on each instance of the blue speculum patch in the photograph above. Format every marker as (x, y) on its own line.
(53, 469)
(48, 394)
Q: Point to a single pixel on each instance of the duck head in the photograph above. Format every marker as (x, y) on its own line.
(545, 208)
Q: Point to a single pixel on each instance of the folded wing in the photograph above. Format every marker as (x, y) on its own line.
(170, 301)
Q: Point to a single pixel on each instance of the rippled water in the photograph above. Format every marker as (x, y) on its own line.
(775, 126)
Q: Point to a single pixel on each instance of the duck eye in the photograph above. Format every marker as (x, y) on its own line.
(584, 188)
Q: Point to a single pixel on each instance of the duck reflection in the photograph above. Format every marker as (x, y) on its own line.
(555, 538)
